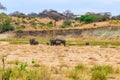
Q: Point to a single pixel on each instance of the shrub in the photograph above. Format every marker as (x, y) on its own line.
(21, 27)
(33, 23)
(78, 73)
(16, 23)
(6, 75)
(33, 61)
(99, 75)
(7, 27)
(94, 25)
(101, 72)
(50, 24)
(16, 62)
(24, 21)
(66, 23)
(23, 66)
(42, 24)
(63, 26)
(36, 65)
(32, 75)
(5, 23)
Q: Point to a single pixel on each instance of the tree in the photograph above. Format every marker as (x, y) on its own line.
(43, 14)
(88, 18)
(94, 17)
(68, 14)
(115, 17)
(5, 23)
(2, 7)
(32, 14)
(53, 14)
(18, 14)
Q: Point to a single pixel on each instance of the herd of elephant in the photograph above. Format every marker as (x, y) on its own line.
(52, 42)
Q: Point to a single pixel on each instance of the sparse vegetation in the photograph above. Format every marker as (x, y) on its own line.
(5, 23)
(101, 72)
(79, 72)
(66, 23)
(50, 24)
(89, 57)
(102, 43)
(21, 27)
(28, 74)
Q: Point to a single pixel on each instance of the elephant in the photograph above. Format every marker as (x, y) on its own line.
(33, 42)
(57, 42)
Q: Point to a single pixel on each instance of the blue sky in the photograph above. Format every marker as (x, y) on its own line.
(76, 6)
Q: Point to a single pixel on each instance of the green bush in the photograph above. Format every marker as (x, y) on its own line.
(23, 67)
(5, 23)
(21, 27)
(50, 24)
(6, 26)
(99, 75)
(16, 62)
(66, 23)
(94, 25)
(42, 24)
(87, 18)
(78, 73)
(6, 74)
(33, 75)
(101, 72)
(33, 23)
(63, 26)
(33, 61)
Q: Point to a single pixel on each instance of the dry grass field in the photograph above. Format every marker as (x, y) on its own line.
(56, 56)
(60, 57)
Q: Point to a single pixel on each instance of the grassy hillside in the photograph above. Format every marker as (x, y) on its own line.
(39, 23)
(66, 28)
(46, 23)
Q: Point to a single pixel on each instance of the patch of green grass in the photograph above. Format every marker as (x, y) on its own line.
(94, 43)
(41, 73)
(42, 24)
(22, 40)
(80, 72)
(102, 43)
(21, 27)
(101, 72)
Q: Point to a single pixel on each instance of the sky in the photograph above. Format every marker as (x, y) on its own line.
(76, 6)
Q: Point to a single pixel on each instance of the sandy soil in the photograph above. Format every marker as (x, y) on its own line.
(56, 56)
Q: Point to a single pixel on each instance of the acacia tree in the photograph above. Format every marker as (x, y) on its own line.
(68, 14)
(115, 17)
(55, 16)
(18, 14)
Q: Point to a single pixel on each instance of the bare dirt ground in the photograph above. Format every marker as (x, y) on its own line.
(56, 56)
